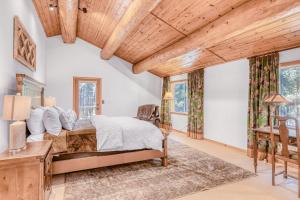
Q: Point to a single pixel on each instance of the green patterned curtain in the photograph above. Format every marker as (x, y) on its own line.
(263, 82)
(195, 103)
(165, 105)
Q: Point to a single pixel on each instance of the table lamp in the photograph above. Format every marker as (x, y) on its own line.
(16, 108)
(50, 101)
(274, 101)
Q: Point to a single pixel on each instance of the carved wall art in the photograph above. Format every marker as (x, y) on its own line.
(24, 46)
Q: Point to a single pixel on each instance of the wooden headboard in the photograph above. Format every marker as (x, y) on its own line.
(27, 86)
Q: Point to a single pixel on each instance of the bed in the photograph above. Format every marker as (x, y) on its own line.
(77, 149)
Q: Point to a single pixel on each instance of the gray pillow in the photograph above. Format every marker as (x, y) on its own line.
(35, 122)
(52, 122)
(68, 119)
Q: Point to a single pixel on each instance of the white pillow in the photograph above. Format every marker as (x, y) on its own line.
(35, 138)
(52, 122)
(35, 122)
(68, 119)
(59, 109)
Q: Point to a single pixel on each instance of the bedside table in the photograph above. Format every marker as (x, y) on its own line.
(27, 174)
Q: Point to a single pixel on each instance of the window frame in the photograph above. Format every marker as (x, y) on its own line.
(98, 81)
(172, 101)
(286, 65)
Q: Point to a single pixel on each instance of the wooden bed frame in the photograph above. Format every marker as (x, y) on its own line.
(89, 160)
(70, 162)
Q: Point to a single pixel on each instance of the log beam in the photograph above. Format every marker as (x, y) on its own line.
(68, 12)
(133, 16)
(248, 16)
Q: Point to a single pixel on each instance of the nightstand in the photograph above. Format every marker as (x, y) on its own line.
(27, 174)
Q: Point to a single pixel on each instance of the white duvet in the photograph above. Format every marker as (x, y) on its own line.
(125, 133)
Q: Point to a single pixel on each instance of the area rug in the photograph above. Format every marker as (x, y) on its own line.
(189, 171)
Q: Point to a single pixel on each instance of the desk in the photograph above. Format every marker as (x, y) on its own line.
(265, 134)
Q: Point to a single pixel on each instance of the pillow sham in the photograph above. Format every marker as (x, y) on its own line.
(58, 109)
(35, 122)
(52, 122)
(73, 115)
(68, 119)
(35, 138)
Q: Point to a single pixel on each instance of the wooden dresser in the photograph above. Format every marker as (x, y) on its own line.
(27, 175)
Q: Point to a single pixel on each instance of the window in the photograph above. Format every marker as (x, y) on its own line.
(87, 96)
(179, 104)
(290, 89)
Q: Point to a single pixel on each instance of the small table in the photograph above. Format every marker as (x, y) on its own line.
(265, 134)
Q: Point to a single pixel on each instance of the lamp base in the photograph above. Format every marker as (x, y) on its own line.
(17, 136)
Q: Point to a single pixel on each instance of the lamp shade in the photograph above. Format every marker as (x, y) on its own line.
(16, 107)
(168, 96)
(50, 101)
(276, 100)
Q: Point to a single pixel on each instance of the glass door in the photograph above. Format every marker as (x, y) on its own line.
(87, 96)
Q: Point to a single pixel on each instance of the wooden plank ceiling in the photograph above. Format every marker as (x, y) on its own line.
(173, 21)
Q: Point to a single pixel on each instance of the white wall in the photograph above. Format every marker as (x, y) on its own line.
(122, 90)
(8, 66)
(289, 55)
(226, 103)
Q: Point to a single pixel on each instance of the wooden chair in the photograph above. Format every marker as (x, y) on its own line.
(285, 150)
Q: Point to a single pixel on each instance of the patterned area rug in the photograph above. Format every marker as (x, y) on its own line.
(189, 171)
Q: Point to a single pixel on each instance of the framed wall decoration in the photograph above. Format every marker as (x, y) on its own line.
(24, 46)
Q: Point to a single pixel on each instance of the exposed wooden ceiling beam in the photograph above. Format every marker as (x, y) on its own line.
(68, 12)
(133, 16)
(248, 16)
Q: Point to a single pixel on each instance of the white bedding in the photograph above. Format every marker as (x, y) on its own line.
(126, 133)
(35, 138)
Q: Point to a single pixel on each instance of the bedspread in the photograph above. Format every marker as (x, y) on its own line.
(126, 133)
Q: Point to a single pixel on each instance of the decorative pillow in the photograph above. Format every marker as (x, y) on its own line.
(52, 122)
(58, 109)
(35, 122)
(73, 115)
(68, 119)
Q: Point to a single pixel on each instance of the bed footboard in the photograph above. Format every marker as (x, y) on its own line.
(71, 162)
(90, 162)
